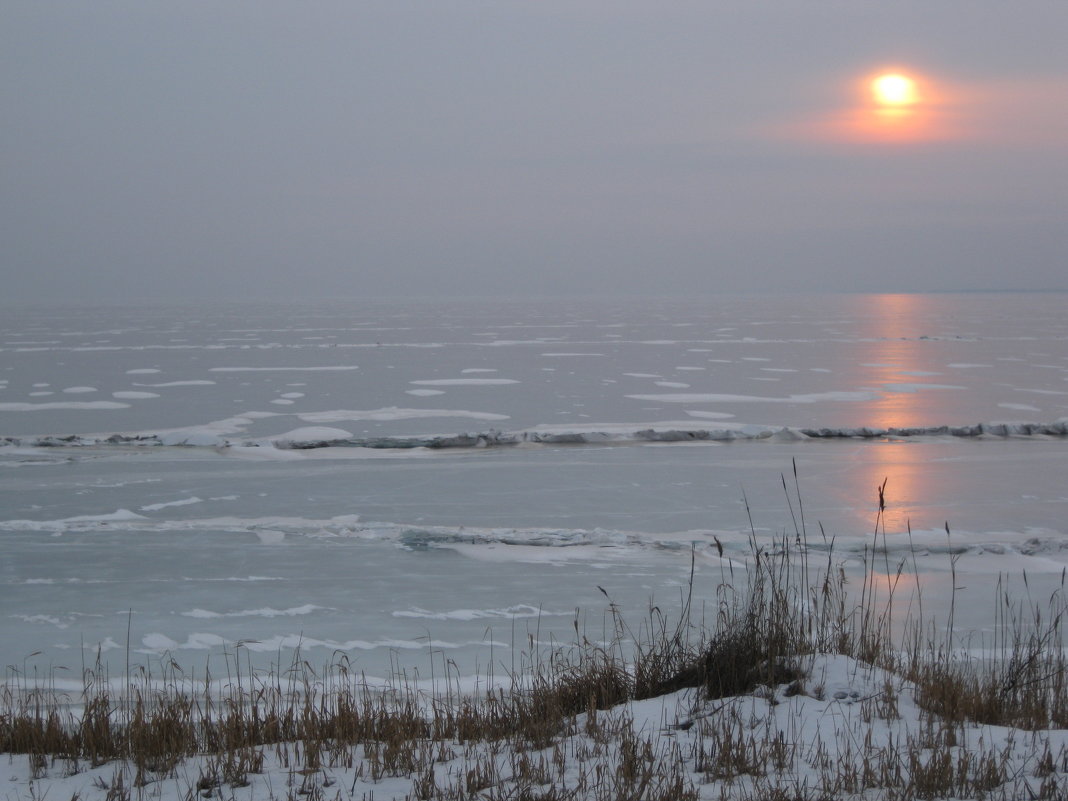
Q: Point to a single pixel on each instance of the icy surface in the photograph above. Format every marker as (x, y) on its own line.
(384, 479)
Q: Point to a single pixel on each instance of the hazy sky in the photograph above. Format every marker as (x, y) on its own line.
(264, 148)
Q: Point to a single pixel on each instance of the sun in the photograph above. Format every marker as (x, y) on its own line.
(895, 90)
(896, 104)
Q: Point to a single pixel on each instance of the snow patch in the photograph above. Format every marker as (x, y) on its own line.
(190, 383)
(155, 507)
(119, 515)
(326, 368)
(698, 397)
(508, 613)
(49, 405)
(268, 612)
(917, 387)
(393, 413)
(461, 382)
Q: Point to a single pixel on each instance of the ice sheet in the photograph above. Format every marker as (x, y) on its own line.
(442, 471)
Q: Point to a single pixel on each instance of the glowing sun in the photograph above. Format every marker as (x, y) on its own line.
(895, 104)
(894, 90)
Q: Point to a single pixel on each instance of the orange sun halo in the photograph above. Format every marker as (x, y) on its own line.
(894, 105)
(899, 107)
(895, 90)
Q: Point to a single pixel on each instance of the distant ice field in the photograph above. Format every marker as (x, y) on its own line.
(813, 361)
(401, 483)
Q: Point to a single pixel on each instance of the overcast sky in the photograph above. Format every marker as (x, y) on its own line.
(257, 148)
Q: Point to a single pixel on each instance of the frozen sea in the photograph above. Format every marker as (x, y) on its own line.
(420, 486)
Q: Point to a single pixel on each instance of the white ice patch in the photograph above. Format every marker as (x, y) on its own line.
(158, 642)
(107, 644)
(1019, 407)
(918, 387)
(710, 415)
(295, 611)
(155, 507)
(508, 613)
(213, 433)
(48, 405)
(190, 383)
(134, 395)
(282, 402)
(424, 393)
(672, 384)
(142, 371)
(460, 382)
(698, 397)
(326, 368)
(198, 641)
(119, 515)
(201, 641)
(393, 413)
(79, 390)
(49, 619)
(291, 395)
(302, 641)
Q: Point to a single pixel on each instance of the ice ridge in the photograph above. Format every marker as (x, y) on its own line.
(614, 433)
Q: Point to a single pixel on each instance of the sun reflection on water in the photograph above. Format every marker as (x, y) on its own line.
(896, 364)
